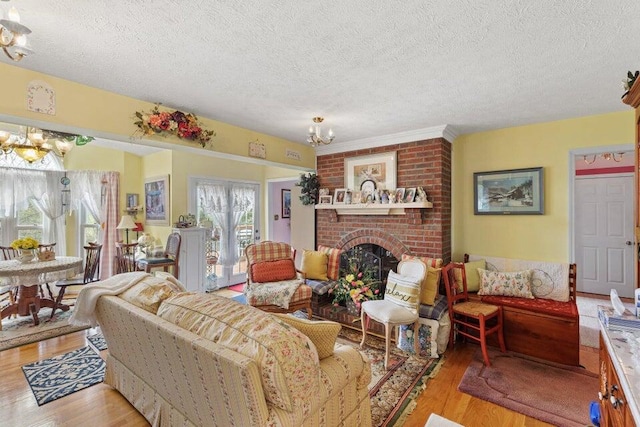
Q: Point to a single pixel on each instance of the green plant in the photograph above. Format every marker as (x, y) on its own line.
(310, 185)
(628, 83)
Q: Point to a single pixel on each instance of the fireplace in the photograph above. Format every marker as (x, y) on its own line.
(375, 257)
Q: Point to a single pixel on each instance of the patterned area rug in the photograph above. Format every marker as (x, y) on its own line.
(97, 341)
(51, 379)
(392, 392)
(21, 330)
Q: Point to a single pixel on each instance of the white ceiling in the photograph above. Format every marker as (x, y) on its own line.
(371, 67)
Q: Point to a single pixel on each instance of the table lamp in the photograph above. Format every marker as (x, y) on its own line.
(126, 223)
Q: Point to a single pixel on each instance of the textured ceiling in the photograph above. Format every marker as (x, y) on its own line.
(371, 67)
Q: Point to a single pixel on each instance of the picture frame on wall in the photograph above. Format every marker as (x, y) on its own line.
(286, 203)
(377, 170)
(509, 192)
(156, 200)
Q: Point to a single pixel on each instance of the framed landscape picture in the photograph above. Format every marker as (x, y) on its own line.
(156, 200)
(509, 192)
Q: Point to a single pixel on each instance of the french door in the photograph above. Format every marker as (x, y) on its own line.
(231, 210)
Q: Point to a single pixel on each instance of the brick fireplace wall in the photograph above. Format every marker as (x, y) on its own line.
(423, 232)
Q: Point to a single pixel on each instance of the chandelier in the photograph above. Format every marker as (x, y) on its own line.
(315, 134)
(605, 156)
(13, 36)
(35, 144)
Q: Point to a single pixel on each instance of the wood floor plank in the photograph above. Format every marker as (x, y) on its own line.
(101, 406)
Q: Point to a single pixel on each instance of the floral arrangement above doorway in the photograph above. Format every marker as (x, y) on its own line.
(177, 123)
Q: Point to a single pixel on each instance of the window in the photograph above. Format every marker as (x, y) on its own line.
(88, 227)
(29, 222)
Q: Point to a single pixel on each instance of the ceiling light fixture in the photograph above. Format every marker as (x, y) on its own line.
(13, 36)
(605, 156)
(35, 144)
(315, 134)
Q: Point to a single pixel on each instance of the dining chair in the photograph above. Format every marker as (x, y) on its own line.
(45, 247)
(91, 274)
(169, 258)
(126, 257)
(9, 292)
(399, 306)
(471, 319)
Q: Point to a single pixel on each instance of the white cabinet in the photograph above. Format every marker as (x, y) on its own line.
(192, 263)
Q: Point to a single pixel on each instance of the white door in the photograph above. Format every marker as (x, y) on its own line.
(604, 235)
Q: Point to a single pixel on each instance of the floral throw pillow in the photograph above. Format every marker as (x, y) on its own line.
(508, 284)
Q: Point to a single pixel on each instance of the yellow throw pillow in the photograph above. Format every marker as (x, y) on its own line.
(473, 277)
(314, 265)
(322, 334)
(429, 288)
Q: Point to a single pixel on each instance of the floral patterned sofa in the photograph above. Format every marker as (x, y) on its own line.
(546, 324)
(206, 360)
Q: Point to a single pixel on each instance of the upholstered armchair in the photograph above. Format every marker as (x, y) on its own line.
(273, 283)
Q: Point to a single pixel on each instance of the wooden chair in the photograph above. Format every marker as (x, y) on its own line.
(472, 319)
(91, 274)
(45, 247)
(392, 314)
(125, 257)
(9, 292)
(170, 258)
(275, 256)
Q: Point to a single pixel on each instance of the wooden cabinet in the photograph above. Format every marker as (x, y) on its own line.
(192, 262)
(614, 408)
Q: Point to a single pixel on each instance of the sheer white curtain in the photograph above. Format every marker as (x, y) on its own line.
(50, 203)
(243, 200)
(213, 200)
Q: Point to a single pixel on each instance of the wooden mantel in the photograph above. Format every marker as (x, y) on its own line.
(375, 208)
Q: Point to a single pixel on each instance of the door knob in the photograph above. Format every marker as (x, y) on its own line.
(628, 243)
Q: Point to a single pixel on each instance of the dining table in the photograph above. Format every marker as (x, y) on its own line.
(26, 278)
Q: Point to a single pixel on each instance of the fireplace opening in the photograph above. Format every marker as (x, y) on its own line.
(375, 257)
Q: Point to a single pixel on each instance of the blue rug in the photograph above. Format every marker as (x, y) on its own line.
(51, 379)
(97, 341)
(240, 298)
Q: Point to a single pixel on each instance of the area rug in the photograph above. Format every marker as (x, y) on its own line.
(393, 392)
(21, 330)
(589, 324)
(97, 341)
(556, 394)
(51, 379)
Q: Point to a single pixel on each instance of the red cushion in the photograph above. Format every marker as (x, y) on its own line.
(567, 309)
(273, 271)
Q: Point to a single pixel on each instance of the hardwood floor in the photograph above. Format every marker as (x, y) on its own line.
(100, 405)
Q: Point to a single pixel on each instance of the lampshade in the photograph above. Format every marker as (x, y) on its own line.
(126, 223)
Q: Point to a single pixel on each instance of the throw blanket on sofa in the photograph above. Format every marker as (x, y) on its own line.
(85, 306)
(273, 293)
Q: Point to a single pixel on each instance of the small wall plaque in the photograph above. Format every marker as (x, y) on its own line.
(292, 154)
(41, 97)
(258, 150)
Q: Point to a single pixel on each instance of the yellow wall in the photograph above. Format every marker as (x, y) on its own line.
(537, 237)
(91, 111)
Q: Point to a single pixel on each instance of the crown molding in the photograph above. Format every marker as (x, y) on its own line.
(443, 131)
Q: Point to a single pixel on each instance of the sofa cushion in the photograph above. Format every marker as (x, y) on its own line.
(471, 273)
(509, 284)
(287, 359)
(314, 265)
(429, 287)
(273, 271)
(435, 311)
(151, 291)
(333, 265)
(322, 333)
(567, 309)
(321, 287)
(403, 291)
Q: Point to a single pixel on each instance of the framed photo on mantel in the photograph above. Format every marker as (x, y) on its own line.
(509, 192)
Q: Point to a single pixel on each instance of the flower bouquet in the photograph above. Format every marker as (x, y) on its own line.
(356, 285)
(182, 125)
(27, 247)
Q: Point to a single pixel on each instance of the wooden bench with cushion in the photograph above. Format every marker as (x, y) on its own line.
(541, 327)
